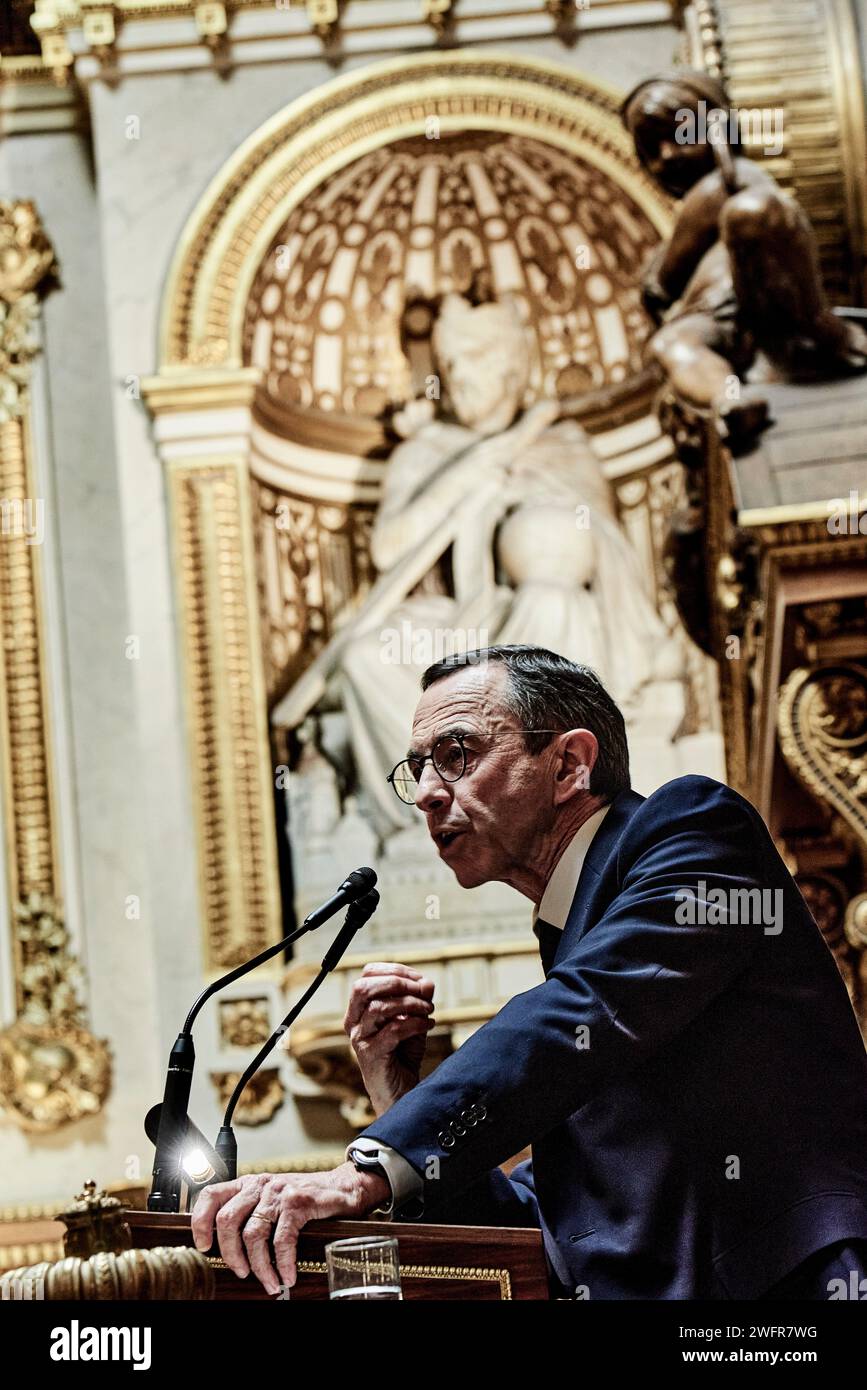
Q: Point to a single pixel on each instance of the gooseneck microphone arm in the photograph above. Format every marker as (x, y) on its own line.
(359, 882)
(359, 913)
(165, 1193)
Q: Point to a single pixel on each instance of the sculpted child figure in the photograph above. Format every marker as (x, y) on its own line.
(740, 272)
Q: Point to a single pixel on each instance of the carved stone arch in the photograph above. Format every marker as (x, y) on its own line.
(202, 401)
(231, 228)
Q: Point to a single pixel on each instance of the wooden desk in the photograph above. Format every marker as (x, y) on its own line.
(437, 1262)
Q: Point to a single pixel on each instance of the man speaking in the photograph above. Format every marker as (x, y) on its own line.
(690, 1074)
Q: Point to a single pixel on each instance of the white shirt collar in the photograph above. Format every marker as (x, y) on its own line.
(560, 888)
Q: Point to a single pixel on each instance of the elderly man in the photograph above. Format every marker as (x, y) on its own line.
(690, 1074)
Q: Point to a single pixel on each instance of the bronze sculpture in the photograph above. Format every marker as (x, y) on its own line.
(739, 276)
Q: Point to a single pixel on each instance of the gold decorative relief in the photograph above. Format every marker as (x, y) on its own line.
(231, 765)
(99, 1262)
(823, 736)
(355, 271)
(260, 1100)
(52, 1070)
(429, 96)
(313, 562)
(244, 1022)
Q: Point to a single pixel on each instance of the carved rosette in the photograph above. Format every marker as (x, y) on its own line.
(53, 1071)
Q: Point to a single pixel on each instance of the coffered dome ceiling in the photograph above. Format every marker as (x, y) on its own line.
(340, 310)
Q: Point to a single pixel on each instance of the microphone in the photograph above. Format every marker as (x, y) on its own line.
(359, 882)
(167, 1178)
(360, 912)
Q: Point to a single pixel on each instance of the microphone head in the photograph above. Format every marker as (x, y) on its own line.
(359, 882)
(362, 910)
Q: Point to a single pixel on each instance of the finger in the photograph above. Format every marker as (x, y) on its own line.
(257, 1242)
(230, 1220)
(208, 1203)
(390, 967)
(379, 1013)
(383, 987)
(285, 1247)
(383, 1043)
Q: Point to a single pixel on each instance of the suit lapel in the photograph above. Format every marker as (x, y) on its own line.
(603, 845)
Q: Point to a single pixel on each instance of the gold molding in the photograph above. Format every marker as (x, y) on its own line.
(232, 226)
(97, 25)
(53, 1071)
(476, 1273)
(213, 567)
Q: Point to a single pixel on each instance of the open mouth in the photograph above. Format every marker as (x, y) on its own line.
(444, 838)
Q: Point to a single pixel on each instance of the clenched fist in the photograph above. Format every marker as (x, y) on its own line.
(389, 1016)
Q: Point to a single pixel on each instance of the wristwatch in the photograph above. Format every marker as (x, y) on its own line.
(369, 1162)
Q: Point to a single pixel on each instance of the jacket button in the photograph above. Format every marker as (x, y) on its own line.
(469, 1118)
(446, 1140)
(457, 1128)
(481, 1112)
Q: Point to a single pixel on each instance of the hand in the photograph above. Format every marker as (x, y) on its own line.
(389, 1016)
(416, 413)
(249, 1211)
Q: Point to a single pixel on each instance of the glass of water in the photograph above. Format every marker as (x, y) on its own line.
(363, 1267)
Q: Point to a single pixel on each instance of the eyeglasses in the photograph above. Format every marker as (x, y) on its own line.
(449, 757)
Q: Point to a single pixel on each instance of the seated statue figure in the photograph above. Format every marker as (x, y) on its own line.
(739, 274)
(536, 552)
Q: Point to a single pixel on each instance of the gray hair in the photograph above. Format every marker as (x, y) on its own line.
(547, 691)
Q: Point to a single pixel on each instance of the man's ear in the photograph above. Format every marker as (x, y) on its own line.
(576, 758)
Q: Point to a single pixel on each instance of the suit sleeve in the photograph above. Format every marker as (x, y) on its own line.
(644, 970)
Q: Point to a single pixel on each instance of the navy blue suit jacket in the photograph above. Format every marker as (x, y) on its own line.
(695, 1092)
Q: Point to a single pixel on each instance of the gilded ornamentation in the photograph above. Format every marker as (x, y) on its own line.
(403, 225)
(52, 1070)
(313, 564)
(438, 15)
(94, 1223)
(165, 1272)
(244, 1022)
(52, 1075)
(855, 924)
(823, 737)
(237, 219)
(260, 1100)
(99, 1262)
(826, 897)
(324, 16)
(212, 537)
(28, 269)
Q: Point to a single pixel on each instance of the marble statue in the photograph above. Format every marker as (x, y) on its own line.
(739, 275)
(537, 554)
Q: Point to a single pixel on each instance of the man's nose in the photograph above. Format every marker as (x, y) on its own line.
(433, 793)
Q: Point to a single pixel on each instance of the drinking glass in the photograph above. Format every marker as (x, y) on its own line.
(363, 1267)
